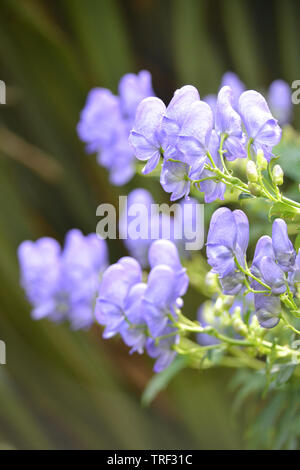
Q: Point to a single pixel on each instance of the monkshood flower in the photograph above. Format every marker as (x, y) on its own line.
(227, 241)
(237, 86)
(133, 328)
(177, 112)
(175, 179)
(106, 120)
(62, 284)
(229, 124)
(167, 283)
(195, 135)
(145, 138)
(163, 350)
(262, 129)
(133, 88)
(115, 286)
(283, 247)
(280, 101)
(267, 309)
(100, 120)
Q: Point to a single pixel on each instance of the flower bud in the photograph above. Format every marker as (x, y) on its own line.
(262, 163)
(252, 173)
(277, 175)
(211, 281)
(254, 189)
(219, 306)
(228, 301)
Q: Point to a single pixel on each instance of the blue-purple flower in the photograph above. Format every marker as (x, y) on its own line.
(283, 247)
(227, 243)
(262, 129)
(280, 101)
(237, 86)
(106, 120)
(145, 138)
(229, 124)
(115, 286)
(62, 284)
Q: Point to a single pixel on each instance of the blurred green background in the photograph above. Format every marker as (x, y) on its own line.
(62, 389)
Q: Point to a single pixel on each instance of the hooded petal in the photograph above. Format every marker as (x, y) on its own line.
(199, 123)
(228, 121)
(177, 111)
(222, 228)
(258, 120)
(272, 275)
(267, 310)
(283, 247)
(242, 224)
(174, 179)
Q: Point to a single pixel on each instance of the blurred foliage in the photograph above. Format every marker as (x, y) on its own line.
(62, 389)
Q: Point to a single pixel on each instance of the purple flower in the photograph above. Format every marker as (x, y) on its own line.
(100, 120)
(195, 135)
(40, 269)
(145, 137)
(165, 252)
(280, 101)
(177, 111)
(283, 247)
(261, 127)
(174, 179)
(229, 122)
(264, 247)
(227, 238)
(105, 123)
(133, 328)
(115, 286)
(163, 351)
(119, 160)
(167, 282)
(133, 88)
(267, 309)
(272, 275)
(237, 86)
(63, 284)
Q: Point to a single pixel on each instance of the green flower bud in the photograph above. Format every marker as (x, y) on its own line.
(228, 301)
(219, 306)
(254, 189)
(277, 175)
(239, 327)
(211, 281)
(252, 173)
(262, 163)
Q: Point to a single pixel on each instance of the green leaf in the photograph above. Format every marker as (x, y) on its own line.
(280, 209)
(160, 381)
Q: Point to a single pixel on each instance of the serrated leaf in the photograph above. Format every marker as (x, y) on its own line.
(160, 381)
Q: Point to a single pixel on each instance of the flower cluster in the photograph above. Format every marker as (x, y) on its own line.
(143, 313)
(106, 120)
(151, 223)
(62, 284)
(193, 139)
(274, 270)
